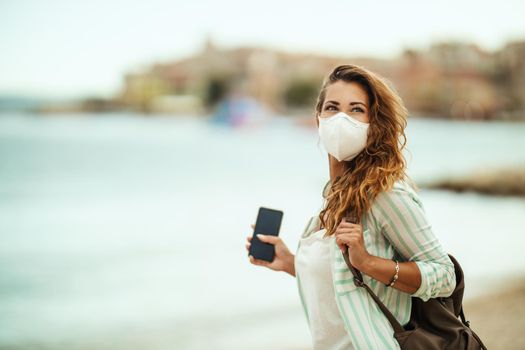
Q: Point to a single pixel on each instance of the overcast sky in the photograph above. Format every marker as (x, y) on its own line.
(74, 48)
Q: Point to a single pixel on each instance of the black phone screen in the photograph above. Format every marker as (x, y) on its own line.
(268, 223)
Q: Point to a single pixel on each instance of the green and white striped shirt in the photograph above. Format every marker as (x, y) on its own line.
(395, 227)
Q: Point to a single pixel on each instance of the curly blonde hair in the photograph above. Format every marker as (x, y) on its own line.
(381, 163)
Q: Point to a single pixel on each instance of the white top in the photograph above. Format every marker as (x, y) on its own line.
(312, 264)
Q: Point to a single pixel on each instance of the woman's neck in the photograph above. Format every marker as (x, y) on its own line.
(337, 168)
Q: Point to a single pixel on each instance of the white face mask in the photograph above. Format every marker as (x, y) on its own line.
(343, 136)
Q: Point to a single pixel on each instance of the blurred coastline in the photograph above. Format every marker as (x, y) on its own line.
(455, 80)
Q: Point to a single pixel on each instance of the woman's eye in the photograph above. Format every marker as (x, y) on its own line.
(358, 109)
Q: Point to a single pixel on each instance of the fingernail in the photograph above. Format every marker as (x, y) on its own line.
(259, 235)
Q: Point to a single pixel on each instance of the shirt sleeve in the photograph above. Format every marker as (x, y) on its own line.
(404, 223)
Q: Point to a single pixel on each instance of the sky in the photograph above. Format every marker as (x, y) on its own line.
(68, 48)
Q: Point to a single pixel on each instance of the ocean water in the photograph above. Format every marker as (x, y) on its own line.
(121, 231)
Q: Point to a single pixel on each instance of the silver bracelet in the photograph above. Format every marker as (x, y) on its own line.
(396, 275)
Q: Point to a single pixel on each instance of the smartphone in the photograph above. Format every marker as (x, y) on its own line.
(268, 223)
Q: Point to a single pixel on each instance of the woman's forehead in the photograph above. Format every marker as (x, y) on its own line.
(346, 92)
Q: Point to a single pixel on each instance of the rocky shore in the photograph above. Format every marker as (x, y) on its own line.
(502, 182)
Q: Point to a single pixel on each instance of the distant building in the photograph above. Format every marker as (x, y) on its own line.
(509, 77)
(451, 80)
(261, 73)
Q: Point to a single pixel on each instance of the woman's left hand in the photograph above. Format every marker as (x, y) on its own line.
(351, 235)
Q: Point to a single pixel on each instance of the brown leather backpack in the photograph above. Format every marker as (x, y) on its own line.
(433, 324)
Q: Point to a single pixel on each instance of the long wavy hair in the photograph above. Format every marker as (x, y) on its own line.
(381, 163)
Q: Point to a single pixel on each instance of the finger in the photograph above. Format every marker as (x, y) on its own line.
(344, 238)
(346, 232)
(348, 224)
(252, 225)
(344, 245)
(348, 235)
(249, 238)
(346, 227)
(348, 240)
(247, 245)
(343, 231)
(258, 261)
(268, 238)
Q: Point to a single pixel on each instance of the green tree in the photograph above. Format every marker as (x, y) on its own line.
(301, 92)
(216, 89)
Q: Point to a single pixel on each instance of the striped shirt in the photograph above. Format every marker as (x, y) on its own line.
(395, 227)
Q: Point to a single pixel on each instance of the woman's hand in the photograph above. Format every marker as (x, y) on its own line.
(283, 260)
(350, 235)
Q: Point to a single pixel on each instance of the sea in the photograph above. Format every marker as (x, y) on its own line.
(128, 231)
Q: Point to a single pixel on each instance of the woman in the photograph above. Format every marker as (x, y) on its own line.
(361, 122)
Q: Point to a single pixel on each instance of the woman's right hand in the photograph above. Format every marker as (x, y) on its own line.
(283, 260)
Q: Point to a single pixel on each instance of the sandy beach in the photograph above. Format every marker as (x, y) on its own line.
(498, 317)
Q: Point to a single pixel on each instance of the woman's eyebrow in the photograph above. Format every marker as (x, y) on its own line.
(351, 103)
(357, 103)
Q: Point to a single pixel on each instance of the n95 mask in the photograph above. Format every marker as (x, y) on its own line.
(343, 136)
